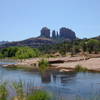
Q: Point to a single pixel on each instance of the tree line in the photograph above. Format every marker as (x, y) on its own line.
(19, 52)
(74, 47)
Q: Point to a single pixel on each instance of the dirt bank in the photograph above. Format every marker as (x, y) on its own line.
(92, 64)
(68, 63)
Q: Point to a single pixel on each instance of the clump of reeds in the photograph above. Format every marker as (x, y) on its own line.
(39, 95)
(3, 91)
(21, 94)
(79, 68)
(43, 65)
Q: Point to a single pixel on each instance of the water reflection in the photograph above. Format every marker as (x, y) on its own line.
(61, 84)
(64, 77)
(8, 61)
(46, 77)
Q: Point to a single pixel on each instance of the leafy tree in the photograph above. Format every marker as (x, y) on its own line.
(26, 52)
(83, 46)
(1, 55)
(93, 45)
(76, 49)
(9, 52)
(19, 52)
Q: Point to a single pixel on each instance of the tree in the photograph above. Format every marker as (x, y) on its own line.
(83, 46)
(26, 52)
(93, 45)
(19, 52)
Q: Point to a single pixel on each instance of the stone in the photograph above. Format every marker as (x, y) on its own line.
(45, 32)
(54, 34)
(66, 33)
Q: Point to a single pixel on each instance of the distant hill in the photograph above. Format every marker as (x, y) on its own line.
(45, 38)
(98, 38)
(36, 42)
(32, 42)
(3, 42)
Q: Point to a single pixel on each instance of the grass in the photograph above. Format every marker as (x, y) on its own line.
(19, 90)
(79, 68)
(43, 65)
(21, 94)
(39, 95)
(3, 91)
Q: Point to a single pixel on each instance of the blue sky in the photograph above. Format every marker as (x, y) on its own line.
(21, 19)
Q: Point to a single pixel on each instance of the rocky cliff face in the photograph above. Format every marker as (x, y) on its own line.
(54, 35)
(45, 32)
(66, 33)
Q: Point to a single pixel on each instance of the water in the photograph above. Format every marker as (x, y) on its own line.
(63, 85)
(8, 61)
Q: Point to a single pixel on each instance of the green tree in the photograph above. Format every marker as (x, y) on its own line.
(83, 46)
(19, 52)
(93, 45)
(26, 52)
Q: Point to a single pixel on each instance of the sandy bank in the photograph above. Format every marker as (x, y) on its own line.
(92, 64)
(69, 63)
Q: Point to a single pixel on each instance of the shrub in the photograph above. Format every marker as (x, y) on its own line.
(19, 90)
(19, 52)
(79, 68)
(1, 55)
(43, 65)
(39, 95)
(3, 92)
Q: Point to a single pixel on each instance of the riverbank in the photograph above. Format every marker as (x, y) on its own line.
(92, 64)
(62, 64)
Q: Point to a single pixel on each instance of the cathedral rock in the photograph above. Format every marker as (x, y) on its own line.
(66, 33)
(45, 32)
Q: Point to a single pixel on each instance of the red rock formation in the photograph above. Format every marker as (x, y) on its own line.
(45, 32)
(66, 33)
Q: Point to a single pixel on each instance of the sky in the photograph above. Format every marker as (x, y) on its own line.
(22, 19)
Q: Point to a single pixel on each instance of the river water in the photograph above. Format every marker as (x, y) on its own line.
(65, 86)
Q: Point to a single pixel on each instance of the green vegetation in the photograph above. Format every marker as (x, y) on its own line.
(80, 68)
(73, 47)
(93, 46)
(39, 95)
(21, 94)
(1, 55)
(43, 65)
(19, 90)
(19, 52)
(3, 91)
(67, 47)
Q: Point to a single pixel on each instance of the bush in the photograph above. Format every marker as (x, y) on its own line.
(79, 68)
(43, 65)
(39, 95)
(25, 52)
(93, 46)
(1, 55)
(3, 92)
(21, 94)
(19, 52)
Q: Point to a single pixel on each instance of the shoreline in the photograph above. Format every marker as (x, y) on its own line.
(66, 64)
